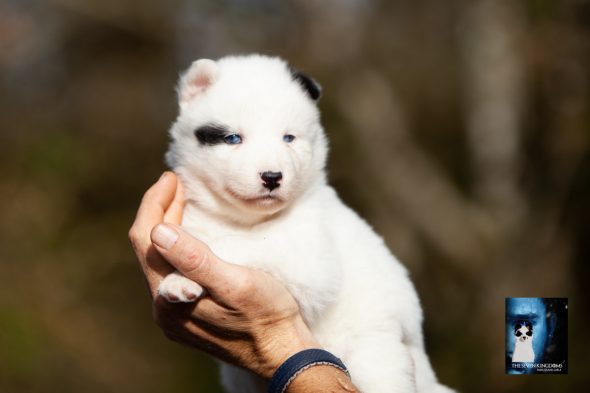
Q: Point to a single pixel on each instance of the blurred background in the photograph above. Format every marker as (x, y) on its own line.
(460, 130)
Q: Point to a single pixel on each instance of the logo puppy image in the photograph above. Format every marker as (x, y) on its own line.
(251, 152)
(523, 345)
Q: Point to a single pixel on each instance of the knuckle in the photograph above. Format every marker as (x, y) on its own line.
(193, 258)
(136, 243)
(133, 234)
(197, 260)
(148, 195)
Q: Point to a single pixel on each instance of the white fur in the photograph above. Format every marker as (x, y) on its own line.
(523, 347)
(176, 288)
(354, 295)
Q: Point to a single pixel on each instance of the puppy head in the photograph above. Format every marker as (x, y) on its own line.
(247, 140)
(523, 331)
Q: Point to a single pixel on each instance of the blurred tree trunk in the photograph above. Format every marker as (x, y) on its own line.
(494, 90)
(494, 86)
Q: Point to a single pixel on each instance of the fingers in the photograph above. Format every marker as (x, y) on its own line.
(174, 213)
(209, 311)
(152, 209)
(151, 212)
(178, 324)
(194, 259)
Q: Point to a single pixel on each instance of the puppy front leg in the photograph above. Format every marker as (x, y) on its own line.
(176, 288)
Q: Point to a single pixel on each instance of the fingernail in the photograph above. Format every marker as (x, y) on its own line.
(164, 236)
(164, 175)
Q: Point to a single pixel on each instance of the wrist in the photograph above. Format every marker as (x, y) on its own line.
(291, 337)
(300, 364)
(322, 379)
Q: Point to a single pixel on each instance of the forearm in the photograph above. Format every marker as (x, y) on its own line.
(322, 379)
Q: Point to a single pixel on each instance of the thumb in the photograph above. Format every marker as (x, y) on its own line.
(192, 257)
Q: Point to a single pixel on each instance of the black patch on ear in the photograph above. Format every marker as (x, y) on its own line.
(211, 134)
(312, 88)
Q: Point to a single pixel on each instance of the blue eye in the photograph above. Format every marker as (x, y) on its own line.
(232, 139)
(288, 138)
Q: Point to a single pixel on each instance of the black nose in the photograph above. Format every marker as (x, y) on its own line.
(271, 179)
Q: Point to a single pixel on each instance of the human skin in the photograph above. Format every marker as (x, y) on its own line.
(246, 317)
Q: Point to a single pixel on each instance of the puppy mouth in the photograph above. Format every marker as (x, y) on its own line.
(262, 199)
(265, 199)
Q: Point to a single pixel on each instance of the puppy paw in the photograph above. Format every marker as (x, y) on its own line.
(178, 289)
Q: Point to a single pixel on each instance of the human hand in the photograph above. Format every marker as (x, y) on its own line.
(247, 318)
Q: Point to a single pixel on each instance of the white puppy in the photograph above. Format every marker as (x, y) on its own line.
(250, 150)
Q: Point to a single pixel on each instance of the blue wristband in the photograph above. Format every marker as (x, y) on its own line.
(300, 362)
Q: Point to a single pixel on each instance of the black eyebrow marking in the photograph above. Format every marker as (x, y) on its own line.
(211, 134)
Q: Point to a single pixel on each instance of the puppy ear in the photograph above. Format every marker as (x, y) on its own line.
(311, 87)
(196, 80)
